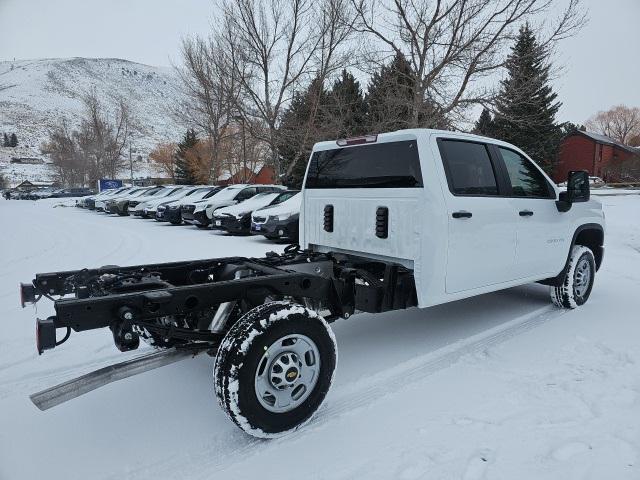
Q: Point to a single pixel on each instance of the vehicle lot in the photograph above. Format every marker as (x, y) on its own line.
(502, 385)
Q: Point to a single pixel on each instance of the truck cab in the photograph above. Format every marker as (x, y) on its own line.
(466, 214)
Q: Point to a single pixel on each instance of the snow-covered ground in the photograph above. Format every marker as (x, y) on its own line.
(502, 386)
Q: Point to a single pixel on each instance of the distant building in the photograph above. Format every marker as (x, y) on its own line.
(263, 175)
(27, 185)
(27, 160)
(593, 152)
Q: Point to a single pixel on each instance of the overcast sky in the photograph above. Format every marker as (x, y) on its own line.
(601, 64)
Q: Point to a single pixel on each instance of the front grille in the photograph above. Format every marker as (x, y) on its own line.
(188, 208)
(259, 219)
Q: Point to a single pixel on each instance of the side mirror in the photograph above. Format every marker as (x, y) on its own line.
(577, 190)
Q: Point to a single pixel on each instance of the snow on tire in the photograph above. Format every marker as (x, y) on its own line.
(274, 368)
(578, 281)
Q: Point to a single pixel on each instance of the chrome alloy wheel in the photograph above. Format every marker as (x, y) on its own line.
(582, 277)
(287, 373)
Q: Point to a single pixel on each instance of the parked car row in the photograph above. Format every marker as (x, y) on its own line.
(244, 209)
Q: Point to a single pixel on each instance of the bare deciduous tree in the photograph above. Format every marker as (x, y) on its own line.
(164, 155)
(211, 91)
(103, 139)
(274, 46)
(621, 123)
(71, 168)
(453, 44)
(96, 149)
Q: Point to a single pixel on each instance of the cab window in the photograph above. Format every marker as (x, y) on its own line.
(380, 165)
(526, 180)
(468, 168)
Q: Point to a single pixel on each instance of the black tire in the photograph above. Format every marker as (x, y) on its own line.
(202, 226)
(240, 355)
(574, 292)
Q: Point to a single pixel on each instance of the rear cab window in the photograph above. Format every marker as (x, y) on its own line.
(379, 165)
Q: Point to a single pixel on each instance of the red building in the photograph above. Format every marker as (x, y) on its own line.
(595, 153)
(263, 175)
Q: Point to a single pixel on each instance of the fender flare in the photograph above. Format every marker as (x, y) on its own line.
(558, 279)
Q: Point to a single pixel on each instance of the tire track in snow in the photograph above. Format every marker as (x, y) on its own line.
(351, 398)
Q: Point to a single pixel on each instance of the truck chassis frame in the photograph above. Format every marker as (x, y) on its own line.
(203, 298)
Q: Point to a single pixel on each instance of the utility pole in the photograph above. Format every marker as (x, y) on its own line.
(130, 162)
(244, 148)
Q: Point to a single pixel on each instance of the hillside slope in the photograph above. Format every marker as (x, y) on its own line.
(38, 94)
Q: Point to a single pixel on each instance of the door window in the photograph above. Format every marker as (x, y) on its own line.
(468, 167)
(526, 180)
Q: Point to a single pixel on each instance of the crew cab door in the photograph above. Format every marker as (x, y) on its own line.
(542, 231)
(481, 227)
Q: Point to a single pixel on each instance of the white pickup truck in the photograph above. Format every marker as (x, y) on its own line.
(412, 218)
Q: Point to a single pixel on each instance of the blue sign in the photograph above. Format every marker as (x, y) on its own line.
(106, 184)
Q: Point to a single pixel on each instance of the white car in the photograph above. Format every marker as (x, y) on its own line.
(201, 213)
(120, 203)
(137, 206)
(171, 211)
(149, 207)
(100, 199)
(237, 218)
(278, 222)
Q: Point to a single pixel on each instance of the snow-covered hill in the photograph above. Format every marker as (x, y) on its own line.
(35, 95)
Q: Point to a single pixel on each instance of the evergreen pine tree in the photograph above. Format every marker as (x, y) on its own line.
(526, 106)
(298, 133)
(391, 104)
(484, 125)
(13, 141)
(183, 173)
(390, 96)
(345, 111)
(5, 142)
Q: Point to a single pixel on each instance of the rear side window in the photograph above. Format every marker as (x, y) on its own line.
(381, 165)
(526, 180)
(468, 168)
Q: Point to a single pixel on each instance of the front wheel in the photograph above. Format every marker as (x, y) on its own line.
(578, 280)
(274, 368)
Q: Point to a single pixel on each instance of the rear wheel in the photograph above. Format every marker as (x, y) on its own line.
(578, 281)
(274, 368)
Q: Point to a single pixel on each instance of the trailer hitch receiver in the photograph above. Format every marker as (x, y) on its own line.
(45, 334)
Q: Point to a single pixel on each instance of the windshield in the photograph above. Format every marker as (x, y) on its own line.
(194, 192)
(165, 192)
(258, 200)
(212, 192)
(227, 194)
(282, 197)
